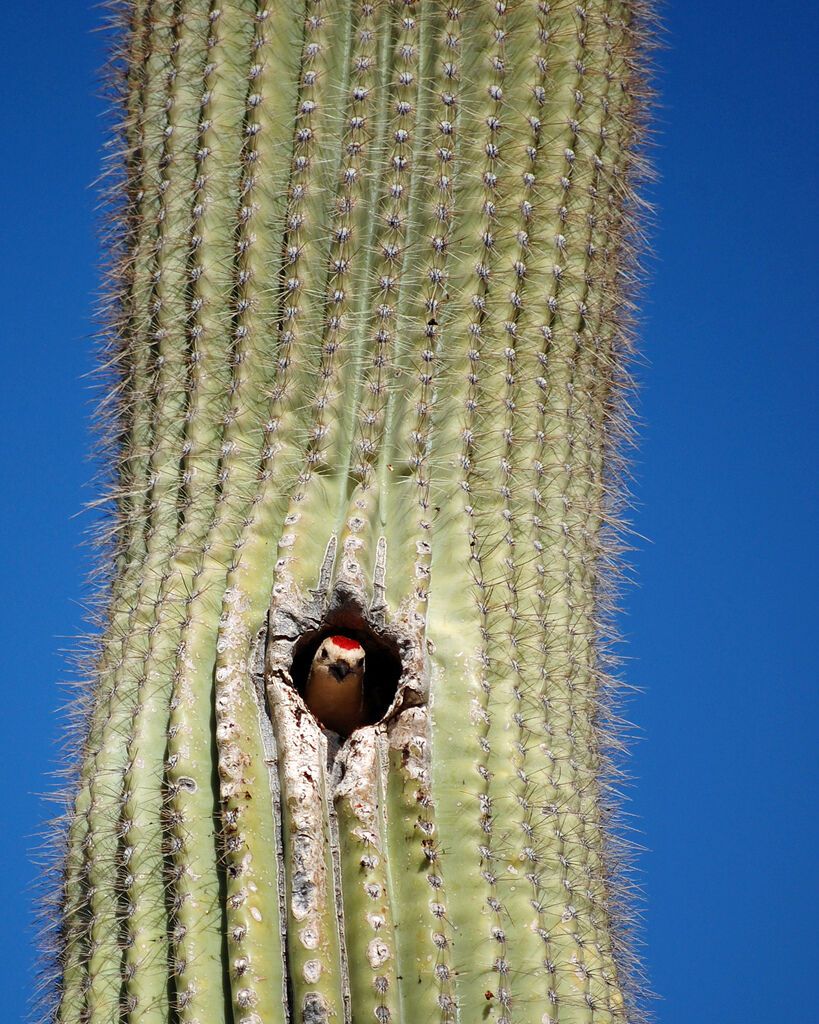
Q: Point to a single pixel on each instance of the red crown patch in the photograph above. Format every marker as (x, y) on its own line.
(346, 643)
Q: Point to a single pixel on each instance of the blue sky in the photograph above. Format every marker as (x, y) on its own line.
(721, 624)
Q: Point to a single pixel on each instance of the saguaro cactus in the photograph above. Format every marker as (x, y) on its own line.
(368, 339)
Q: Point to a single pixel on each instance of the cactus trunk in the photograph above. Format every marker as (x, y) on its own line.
(370, 340)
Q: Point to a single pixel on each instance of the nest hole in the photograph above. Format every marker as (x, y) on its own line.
(382, 664)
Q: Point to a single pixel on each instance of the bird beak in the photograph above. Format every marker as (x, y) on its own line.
(339, 670)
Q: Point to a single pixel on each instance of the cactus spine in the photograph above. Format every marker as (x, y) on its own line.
(369, 335)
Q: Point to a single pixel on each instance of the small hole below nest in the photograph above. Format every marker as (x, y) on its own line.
(382, 671)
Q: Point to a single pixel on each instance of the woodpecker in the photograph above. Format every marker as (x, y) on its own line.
(335, 690)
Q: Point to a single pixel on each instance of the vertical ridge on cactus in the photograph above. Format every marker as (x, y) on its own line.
(372, 295)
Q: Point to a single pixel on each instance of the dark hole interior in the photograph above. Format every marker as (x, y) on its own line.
(382, 664)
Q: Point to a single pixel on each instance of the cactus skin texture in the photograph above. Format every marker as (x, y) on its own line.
(369, 337)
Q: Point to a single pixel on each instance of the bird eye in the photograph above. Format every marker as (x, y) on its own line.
(324, 655)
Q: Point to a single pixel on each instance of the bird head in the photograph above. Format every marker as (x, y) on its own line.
(341, 657)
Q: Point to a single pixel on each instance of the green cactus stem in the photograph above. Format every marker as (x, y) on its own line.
(370, 335)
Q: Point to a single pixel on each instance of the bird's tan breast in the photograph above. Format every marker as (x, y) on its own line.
(337, 705)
